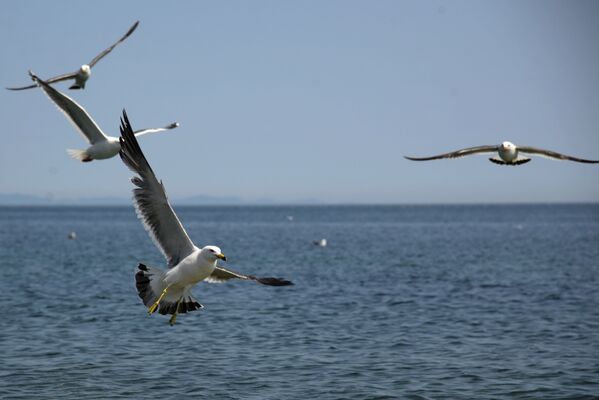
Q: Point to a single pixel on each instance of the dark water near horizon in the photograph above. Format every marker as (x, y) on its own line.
(416, 302)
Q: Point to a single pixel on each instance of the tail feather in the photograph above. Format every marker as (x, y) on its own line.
(188, 303)
(149, 282)
(522, 160)
(80, 155)
(519, 161)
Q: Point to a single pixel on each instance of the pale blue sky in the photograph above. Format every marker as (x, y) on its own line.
(309, 99)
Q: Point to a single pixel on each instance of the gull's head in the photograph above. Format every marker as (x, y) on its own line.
(85, 70)
(508, 146)
(213, 253)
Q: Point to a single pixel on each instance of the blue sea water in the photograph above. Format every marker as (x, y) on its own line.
(416, 302)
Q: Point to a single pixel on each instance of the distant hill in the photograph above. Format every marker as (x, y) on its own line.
(201, 200)
(15, 199)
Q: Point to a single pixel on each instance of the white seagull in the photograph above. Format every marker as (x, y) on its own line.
(320, 243)
(82, 75)
(102, 146)
(507, 154)
(169, 291)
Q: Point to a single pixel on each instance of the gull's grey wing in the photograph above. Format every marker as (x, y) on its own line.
(155, 130)
(63, 77)
(108, 50)
(151, 202)
(553, 154)
(22, 87)
(221, 274)
(458, 153)
(85, 125)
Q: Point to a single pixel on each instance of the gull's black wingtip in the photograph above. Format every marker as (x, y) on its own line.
(274, 281)
(33, 77)
(131, 30)
(124, 128)
(125, 124)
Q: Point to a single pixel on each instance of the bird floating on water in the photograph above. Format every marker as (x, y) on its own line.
(320, 243)
(72, 236)
(507, 154)
(102, 146)
(169, 292)
(82, 75)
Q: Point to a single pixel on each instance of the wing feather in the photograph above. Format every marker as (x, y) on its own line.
(82, 121)
(221, 274)
(156, 130)
(458, 153)
(151, 202)
(108, 50)
(63, 77)
(553, 154)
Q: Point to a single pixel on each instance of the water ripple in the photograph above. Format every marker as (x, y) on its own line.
(405, 302)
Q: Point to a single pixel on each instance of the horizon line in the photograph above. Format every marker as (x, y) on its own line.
(322, 204)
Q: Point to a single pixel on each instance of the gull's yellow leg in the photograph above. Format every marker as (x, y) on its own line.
(154, 306)
(174, 317)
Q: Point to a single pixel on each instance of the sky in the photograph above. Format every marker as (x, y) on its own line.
(309, 101)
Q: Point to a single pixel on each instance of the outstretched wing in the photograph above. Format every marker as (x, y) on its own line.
(156, 130)
(63, 77)
(151, 202)
(108, 50)
(85, 125)
(553, 154)
(458, 153)
(221, 274)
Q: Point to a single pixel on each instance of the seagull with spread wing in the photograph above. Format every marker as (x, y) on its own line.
(82, 75)
(101, 145)
(169, 291)
(507, 154)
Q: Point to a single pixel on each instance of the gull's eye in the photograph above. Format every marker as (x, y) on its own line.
(212, 251)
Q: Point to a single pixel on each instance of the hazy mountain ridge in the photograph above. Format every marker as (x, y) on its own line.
(17, 199)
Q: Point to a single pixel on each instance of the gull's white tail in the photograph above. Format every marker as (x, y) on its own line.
(80, 155)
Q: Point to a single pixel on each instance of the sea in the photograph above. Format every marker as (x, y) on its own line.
(404, 302)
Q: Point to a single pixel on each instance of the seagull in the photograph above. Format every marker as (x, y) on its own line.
(169, 291)
(507, 154)
(82, 75)
(102, 146)
(320, 243)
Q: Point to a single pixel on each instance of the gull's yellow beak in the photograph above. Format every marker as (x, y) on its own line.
(221, 256)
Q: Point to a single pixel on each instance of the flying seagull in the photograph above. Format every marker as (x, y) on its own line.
(102, 146)
(83, 74)
(507, 154)
(169, 291)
